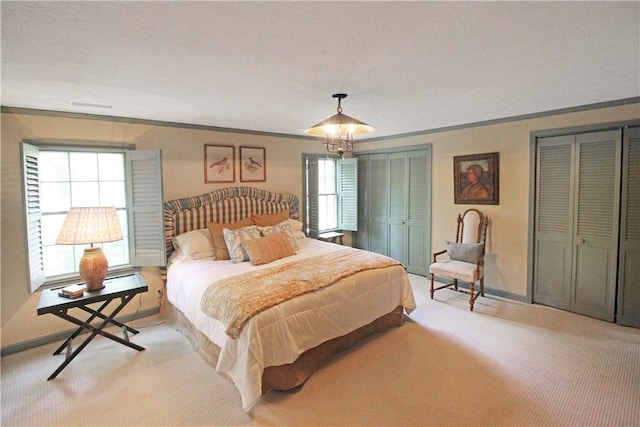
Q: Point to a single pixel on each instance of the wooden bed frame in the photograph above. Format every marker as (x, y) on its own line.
(230, 205)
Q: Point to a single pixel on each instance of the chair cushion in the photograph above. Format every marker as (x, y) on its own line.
(467, 252)
(456, 270)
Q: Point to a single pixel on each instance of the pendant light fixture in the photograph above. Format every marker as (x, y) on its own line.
(339, 129)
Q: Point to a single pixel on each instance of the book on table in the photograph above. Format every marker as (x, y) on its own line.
(73, 291)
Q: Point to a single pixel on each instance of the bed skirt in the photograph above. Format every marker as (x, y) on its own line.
(292, 375)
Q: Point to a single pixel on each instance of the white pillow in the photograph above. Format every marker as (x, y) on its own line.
(299, 235)
(196, 244)
(234, 238)
(295, 224)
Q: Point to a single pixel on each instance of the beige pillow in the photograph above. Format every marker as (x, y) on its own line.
(269, 248)
(219, 245)
(270, 219)
(281, 227)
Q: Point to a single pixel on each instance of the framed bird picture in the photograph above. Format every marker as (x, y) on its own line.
(253, 164)
(219, 163)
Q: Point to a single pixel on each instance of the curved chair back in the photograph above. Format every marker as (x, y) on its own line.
(472, 227)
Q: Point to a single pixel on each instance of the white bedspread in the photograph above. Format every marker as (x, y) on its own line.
(280, 334)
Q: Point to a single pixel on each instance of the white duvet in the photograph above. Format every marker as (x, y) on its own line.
(280, 334)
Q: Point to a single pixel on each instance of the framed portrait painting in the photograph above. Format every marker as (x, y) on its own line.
(253, 164)
(219, 163)
(476, 179)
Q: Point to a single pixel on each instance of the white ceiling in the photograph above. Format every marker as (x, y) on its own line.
(273, 66)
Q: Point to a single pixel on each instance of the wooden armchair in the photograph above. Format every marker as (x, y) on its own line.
(466, 255)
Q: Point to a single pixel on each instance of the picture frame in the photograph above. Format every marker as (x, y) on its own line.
(219, 164)
(253, 164)
(476, 179)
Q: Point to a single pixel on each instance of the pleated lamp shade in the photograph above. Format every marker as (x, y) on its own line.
(88, 226)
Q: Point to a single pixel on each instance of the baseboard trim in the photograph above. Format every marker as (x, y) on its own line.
(487, 290)
(63, 335)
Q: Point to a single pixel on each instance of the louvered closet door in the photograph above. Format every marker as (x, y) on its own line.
(378, 203)
(597, 202)
(409, 209)
(629, 268)
(554, 219)
(577, 212)
(362, 236)
(418, 209)
(398, 207)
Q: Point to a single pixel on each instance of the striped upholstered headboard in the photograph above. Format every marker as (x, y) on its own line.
(226, 205)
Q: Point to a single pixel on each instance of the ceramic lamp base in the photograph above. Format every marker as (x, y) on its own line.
(93, 268)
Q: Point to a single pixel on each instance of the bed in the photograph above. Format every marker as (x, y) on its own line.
(280, 345)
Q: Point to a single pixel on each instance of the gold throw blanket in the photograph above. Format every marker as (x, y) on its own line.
(234, 300)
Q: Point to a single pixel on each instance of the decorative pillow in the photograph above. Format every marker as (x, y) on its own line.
(234, 239)
(295, 224)
(467, 252)
(195, 244)
(269, 248)
(298, 235)
(283, 227)
(270, 219)
(219, 245)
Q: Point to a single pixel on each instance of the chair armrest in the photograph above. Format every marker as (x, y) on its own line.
(435, 254)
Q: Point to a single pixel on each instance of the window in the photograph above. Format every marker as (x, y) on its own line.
(57, 178)
(329, 193)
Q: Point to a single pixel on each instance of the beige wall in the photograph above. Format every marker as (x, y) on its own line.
(182, 152)
(507, 240)
(183, 175)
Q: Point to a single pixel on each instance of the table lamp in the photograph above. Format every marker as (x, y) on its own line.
(88, 226)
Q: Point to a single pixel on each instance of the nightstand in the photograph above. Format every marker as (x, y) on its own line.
(120, 288)
(331, 236)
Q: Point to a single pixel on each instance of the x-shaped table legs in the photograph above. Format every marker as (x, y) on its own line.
(99, 330)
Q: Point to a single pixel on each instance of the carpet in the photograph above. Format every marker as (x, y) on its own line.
(505, 364)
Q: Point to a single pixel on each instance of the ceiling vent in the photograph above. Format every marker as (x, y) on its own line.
(88, 104)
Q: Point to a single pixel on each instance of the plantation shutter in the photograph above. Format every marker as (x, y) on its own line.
(348, 194)
(146, 220)
(311, 196)
(33, 215)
